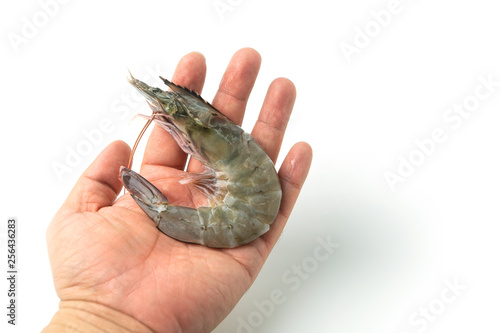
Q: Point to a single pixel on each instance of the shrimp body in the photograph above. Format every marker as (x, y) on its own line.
(240, 180)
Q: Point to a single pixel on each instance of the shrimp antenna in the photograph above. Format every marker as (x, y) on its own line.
(138, 140)
(131, 78)
(151, 118)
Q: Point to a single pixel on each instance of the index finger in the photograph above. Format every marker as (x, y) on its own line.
(161, 148)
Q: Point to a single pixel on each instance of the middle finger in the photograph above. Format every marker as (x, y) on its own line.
(234, 89)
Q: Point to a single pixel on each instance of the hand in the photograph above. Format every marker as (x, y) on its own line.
(112, 266)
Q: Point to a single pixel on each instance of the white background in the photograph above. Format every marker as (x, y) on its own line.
(398, 247)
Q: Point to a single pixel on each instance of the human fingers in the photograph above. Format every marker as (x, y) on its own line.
(237, 83)
(292, 174)
(99, 185)
(161, 148)
(235, 88)
(274, 115)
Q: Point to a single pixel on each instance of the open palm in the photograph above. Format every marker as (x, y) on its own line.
(108, 252)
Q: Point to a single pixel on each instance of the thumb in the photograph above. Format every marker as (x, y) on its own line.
(99, 185)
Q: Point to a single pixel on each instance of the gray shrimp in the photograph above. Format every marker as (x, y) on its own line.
(240, 180)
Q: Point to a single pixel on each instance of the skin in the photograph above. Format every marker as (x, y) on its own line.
(114, 270)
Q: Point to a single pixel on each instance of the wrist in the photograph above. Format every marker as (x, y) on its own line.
(83, 316)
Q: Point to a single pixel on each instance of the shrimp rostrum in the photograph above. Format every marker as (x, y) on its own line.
(240, 180)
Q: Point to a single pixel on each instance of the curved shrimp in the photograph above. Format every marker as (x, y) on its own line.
(240, 180)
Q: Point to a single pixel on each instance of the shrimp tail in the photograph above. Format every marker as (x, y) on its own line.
(181, 223)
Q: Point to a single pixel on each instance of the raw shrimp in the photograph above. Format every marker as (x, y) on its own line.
(240, 180)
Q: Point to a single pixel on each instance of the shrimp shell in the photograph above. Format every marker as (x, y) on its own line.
(240, 180)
